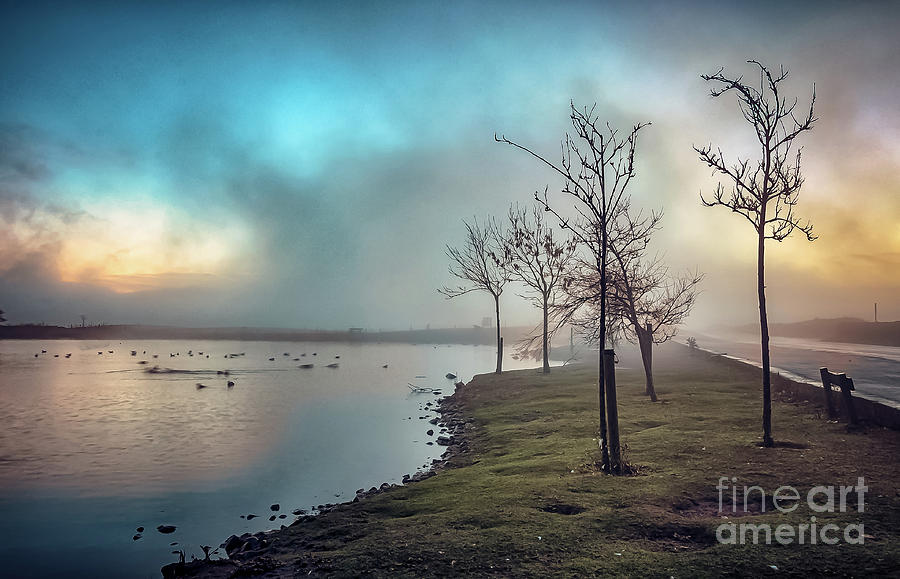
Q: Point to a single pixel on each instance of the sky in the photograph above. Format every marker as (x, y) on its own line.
(304, 164)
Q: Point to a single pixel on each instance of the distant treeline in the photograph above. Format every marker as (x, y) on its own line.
(852, 330)
(472, 335)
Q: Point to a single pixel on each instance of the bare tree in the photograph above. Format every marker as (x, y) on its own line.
(540, 260)
(587, 321)
(649, 301)
(597, 166)
(482, 264)
(763, 191)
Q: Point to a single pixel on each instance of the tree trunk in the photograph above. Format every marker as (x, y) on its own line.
(499, 339)
(601, 379)
(546, 341)
(615, 450)
(645, 340)
(764, 339)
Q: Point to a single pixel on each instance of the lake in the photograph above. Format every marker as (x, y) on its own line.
(92, 446)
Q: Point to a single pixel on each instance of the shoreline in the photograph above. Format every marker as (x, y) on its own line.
(524, 499)
(246, 554)
(320, 434)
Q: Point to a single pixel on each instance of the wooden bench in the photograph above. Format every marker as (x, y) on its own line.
(845, 383)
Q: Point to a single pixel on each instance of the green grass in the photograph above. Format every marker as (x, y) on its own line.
(533, 453)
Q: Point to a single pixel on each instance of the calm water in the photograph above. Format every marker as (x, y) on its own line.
(92, 446)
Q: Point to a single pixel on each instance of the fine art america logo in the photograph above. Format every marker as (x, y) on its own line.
(787, 499)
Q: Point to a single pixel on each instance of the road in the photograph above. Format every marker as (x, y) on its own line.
(875, 369)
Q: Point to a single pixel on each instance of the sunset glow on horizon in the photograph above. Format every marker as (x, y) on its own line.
(300, 165)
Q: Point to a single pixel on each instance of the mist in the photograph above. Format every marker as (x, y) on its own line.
(305, 166)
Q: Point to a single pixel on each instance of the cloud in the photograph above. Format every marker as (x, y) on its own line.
(275, 177)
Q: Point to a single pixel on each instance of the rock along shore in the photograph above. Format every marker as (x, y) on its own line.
(255, 554)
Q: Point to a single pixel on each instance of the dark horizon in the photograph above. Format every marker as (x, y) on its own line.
(844, 329)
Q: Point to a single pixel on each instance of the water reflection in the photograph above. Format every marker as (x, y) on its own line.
(93, 446)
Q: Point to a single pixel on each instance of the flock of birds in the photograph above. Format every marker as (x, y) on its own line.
(155, 369)
(229, 384)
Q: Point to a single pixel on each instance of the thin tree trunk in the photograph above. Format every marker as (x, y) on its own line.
(499, 339)
(546, 341)
(615, 449)
(764, 339)
(645, 340)
(601, 380)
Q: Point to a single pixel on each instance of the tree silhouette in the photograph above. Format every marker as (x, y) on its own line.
(765, 191)
(586, 318)
(482, 262)
(649, 301)
(597, 166)
(540, 260)
(2, 318)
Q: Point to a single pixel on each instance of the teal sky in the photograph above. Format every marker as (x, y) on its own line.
(303, 164)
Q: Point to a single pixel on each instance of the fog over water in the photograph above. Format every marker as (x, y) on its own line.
(92, 446)
(259, 166)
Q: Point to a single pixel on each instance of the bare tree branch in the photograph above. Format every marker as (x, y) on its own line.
(540, 260)
(764, 191)
(597, 165)
(482, 262)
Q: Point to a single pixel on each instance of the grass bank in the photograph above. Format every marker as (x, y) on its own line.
(525, 500)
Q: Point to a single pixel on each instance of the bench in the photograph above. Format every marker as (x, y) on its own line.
(845, 383)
